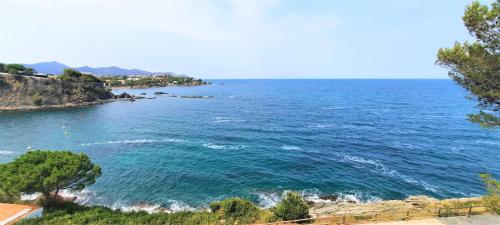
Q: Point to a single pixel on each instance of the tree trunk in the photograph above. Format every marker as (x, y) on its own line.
(55, 194)
(48, 199)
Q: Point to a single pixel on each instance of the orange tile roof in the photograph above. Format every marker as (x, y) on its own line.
(9, 210)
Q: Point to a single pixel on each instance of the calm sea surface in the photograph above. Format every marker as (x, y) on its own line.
(360, 139)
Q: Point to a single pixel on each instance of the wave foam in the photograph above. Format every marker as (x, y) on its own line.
(268, 199)
(223, 119)
(271, 199)
(82, 197)
(321, 126)
(372, 165)
(136, 141)
(30, 197)
(290, 147)
(149, 208)
(223, 146)
(177, 206)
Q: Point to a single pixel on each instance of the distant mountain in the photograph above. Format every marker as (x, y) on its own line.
(111, 71)
(48, 67)
(57, 68)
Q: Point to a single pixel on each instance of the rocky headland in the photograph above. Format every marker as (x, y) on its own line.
(20, 92)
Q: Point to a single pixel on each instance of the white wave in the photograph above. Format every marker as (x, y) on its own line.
(82, 197)
(177, 206)
(271, 199)
(223, 146)
(5, 152)
(290, 147)
(357, 197)
(30, 197)
(136, 141)
(149, 208)
(223, 119)
(378, 167)
(268, 199)
(321, 126)
(312, 195)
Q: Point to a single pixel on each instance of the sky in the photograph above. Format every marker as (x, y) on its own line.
(237, 38)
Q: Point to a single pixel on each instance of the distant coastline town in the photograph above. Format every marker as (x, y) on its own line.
(31, 87)
(114, 77)
(154, 80)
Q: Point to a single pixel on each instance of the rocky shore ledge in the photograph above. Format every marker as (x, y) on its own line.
(415, 204)
(48, 107)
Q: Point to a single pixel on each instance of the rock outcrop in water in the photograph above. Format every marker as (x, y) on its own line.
(18, 92)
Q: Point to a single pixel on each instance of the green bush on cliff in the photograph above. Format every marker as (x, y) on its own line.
(492, 199)
(236, 210)
(292, 207)
(229, 211)
(71, 213)
(16, 69)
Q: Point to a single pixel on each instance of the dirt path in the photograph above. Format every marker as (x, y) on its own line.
(459, 220)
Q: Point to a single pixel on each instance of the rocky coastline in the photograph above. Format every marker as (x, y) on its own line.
(420, 204)
(50, 107)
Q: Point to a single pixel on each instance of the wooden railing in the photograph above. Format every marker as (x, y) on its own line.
(381, 217)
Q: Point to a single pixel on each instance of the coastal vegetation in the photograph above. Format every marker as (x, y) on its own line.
(492, 198)
(159, 80)
(16, 69)
(476, 66)
(46, 172)
(292, 207)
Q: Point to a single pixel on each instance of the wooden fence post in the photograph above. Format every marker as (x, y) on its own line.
(439, 212)
(470, 211)
(408, 214)
(343, 219)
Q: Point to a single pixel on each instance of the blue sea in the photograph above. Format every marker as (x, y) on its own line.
(363, 140)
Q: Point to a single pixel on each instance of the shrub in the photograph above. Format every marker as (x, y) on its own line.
(13, 68)
(492, 199)
(236, 209)
(12, 71)
(71, 213)
(292, 207)
(87, 78)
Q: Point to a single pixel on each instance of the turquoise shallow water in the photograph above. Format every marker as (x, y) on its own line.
(362, 139)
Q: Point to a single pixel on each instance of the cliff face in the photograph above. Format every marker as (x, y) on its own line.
(25, 92)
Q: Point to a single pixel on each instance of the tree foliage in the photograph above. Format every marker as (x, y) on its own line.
(476, 66)
(16, 69)
(292, 207)
(70, 75)
(47, 172)
(492, 198)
